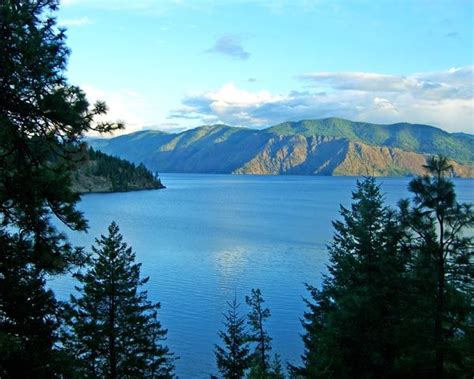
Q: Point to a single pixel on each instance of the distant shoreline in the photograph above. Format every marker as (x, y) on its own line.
(115, 191)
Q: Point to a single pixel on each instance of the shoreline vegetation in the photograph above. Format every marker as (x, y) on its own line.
(102, 173)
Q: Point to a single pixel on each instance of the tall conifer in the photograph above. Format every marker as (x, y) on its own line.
(234, 358)
(257, 317)
(42, 120)
(113, 329)
(441, 322)
(352, 322)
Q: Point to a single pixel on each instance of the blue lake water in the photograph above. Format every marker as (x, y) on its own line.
(208, 238)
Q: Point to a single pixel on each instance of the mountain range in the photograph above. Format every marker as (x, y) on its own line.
(331, 146)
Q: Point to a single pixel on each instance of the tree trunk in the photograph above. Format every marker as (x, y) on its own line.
(439, 343)
(112, 352)
(262, 342)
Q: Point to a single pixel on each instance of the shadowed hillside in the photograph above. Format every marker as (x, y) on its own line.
(104, 173)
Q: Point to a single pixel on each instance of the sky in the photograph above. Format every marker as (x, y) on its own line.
(174, 65)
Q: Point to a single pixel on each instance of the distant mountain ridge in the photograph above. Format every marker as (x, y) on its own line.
(331, 146)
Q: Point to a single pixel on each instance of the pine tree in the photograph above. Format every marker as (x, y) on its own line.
(42, 120)
(234, 358)
(441, 322)
(28, 325)
(113, 329)
(276, 368)
(256, 319)
(351, 324)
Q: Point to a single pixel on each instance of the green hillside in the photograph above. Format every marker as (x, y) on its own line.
(308, 147)
(104, 173)
(409, 137)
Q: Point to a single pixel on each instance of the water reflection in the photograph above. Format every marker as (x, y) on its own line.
(230, 266)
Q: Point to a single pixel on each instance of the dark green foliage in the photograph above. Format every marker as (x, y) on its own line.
(42, 122)
(113, 329)
(28, 315)
(42, 119)
(442, 321)
(234, 358)
(353, 321)
(398, 298)
(123, 175)
(276, 369)
(258, 334)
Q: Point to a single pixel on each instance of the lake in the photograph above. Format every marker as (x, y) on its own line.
(208, 238)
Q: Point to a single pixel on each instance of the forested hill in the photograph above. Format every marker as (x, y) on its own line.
(331, 146)
(104, 173)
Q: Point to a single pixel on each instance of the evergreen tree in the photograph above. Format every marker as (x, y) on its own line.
(351, 324)
(28, 314)
(256, 319)
(441, 322)
(113, 329)
(123, 175)
(234, 358)
(42, 119)
(276, 368)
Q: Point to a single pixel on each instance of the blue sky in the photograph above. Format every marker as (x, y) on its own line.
(173, 65)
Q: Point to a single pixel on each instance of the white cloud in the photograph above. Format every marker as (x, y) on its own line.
(362, 81)
(124, 105)
(384, 105)
(75, 22)
(228, 104)
(444, 99)
(452, 83)
(229, 95)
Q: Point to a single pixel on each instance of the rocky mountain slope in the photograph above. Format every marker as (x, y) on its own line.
(330, 146)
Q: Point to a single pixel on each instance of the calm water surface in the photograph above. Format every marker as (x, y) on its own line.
(208, 238)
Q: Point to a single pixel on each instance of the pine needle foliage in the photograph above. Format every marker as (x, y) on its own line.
(113, 329)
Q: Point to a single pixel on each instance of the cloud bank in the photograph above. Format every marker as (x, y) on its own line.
(443, 99)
